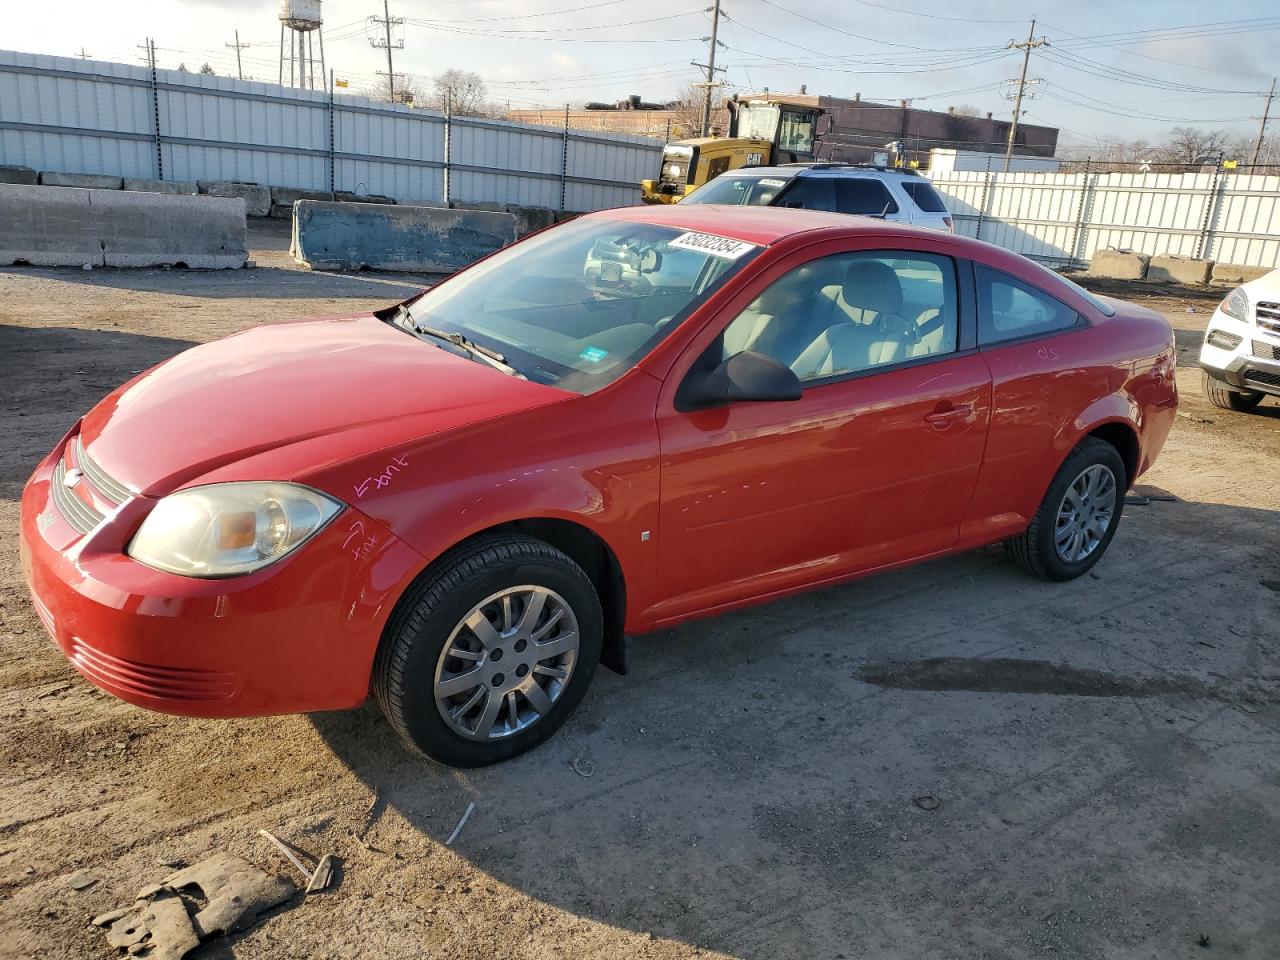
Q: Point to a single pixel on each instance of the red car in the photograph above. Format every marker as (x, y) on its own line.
(467, 501)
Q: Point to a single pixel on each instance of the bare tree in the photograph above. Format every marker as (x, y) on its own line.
(465, 91)
(1192, 147)
(686, 120)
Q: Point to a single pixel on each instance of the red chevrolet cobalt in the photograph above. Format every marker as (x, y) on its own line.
(465, 502)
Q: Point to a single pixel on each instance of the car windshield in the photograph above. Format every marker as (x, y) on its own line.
(579, 305)
(751, 190)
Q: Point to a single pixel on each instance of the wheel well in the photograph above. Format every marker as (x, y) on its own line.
(1122, 437)
(594, 556)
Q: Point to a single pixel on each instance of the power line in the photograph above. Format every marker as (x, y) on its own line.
(238, 47)
(1026, 47)
(387, 22)
(710, 67)
(1266, 112)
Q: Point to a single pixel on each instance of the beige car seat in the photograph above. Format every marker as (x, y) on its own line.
(873, 290)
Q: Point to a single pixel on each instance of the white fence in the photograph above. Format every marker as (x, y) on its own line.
(76, 116)
(1064, 217)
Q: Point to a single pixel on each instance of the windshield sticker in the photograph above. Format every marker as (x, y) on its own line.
(716, 246)
(593, 354)
(771, 182)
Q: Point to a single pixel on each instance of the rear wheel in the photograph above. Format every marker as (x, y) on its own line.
(1222, 396)
(1078, 517)
(491, 652)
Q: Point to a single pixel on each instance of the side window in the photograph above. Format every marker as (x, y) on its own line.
(852, 312)
(810, 193)
(1009, 309)
(862, 195)
(716, 167)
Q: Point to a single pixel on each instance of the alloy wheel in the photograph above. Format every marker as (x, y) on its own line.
(506, 663)
(1086, 513)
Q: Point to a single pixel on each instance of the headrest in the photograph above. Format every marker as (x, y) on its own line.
(871, 285)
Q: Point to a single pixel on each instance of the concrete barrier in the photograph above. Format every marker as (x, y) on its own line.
(491, 205)
(11, 174)
(1233, 274)
(186, 188)
(257, 198)
(1119, 264)
(531, 219)
(67, 226)
(86, 181)
(283, 199)
(332, 235)
(346, 196)
(1179, 269)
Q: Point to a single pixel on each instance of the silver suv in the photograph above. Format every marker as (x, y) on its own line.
(900, 195)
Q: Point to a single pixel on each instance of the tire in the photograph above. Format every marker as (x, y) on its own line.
(492, 578)
(1037, 551)
(1226, 398)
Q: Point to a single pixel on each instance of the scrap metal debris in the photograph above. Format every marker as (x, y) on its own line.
(461, 823)
(317, 878)
(216, 896)
(159, 929)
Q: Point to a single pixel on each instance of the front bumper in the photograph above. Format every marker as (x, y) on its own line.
(1252, 365)
(296, 636)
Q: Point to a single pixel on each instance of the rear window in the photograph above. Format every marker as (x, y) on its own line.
(925, 197)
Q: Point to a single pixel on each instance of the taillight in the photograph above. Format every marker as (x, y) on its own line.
(949, 225)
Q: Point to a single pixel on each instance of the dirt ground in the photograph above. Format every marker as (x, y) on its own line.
(949, 761)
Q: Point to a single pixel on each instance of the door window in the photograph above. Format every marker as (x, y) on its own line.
(864, 196)
(810, 193)
(1009, 309)
(851, 312)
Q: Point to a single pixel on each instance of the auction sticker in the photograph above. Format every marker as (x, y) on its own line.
(709, 243)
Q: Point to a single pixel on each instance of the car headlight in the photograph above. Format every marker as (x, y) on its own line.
(228, 529)
(1237, 304)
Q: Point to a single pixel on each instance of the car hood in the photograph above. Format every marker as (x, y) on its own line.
(1266, 287)
(279, 384)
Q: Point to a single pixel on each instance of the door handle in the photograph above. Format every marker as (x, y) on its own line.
(946, 414)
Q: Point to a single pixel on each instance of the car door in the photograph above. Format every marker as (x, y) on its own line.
(1044, 371)
(873, 465)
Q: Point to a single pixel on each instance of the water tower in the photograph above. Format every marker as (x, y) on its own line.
(300, 19)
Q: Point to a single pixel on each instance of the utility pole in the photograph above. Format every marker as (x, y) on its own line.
(238, 46)
(386, 21)
(82, 55)
(1026, 47)
(1262, 130)
(710, 67)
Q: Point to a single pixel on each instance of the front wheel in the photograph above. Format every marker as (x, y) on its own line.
(1078, 517)
(490, 652)
(1221, 396)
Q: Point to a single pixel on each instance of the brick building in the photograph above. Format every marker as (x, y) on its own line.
(859, 127)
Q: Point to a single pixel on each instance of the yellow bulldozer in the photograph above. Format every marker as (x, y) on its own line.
(762, 130)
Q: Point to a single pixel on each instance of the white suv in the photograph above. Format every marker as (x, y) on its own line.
(900, 195)
(1241, 351)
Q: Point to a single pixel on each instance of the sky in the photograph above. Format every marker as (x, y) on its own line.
(1113, 69)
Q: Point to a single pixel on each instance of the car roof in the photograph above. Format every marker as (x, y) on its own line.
(752, 224)
(822, 169)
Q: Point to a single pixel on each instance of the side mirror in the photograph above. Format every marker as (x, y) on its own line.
(745, 377)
